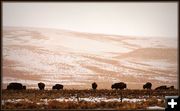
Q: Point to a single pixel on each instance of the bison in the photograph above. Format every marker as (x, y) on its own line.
(94, 86)
(24, 87)
(120, 85)
(171, 88)
(41, 86)
(58, 86)
(164, 87)
(15, 86)
(148, 85)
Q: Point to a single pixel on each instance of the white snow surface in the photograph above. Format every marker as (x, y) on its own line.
(74, 99)
(155, 107)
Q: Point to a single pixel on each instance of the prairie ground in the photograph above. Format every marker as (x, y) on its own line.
(85, 99)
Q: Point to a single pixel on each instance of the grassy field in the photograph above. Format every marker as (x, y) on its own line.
(84, 99)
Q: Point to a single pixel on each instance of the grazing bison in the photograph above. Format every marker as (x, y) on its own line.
(120, 85)
(41, 86)
(94, 86)
(24, 87)
(15, 86)
(58, 86)
(171, 88)
(164, 87)
(148, 85)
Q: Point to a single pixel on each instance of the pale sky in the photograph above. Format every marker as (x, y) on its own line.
(158, 19)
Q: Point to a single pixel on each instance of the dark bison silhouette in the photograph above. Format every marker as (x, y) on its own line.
(58, 86)
(94, 85)
(15, 86)
(120, 85)
(148, 85)
(24, 87)
(41, 86)
(171, 88)
(164, 87)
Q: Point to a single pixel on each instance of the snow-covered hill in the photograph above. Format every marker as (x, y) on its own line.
(77, 59)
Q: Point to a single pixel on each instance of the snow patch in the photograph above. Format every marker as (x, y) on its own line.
(155, 107)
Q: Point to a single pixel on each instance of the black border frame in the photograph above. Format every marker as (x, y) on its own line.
(39, 1)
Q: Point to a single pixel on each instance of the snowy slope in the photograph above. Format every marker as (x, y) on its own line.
(76, 59)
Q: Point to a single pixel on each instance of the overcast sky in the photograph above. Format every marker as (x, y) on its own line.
(121, 18)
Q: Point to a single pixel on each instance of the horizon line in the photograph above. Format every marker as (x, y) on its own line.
(93, 33)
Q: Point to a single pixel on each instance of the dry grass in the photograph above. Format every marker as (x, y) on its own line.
(81, 105)
(35, 97)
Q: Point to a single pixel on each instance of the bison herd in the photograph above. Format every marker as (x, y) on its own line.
(120, 85)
